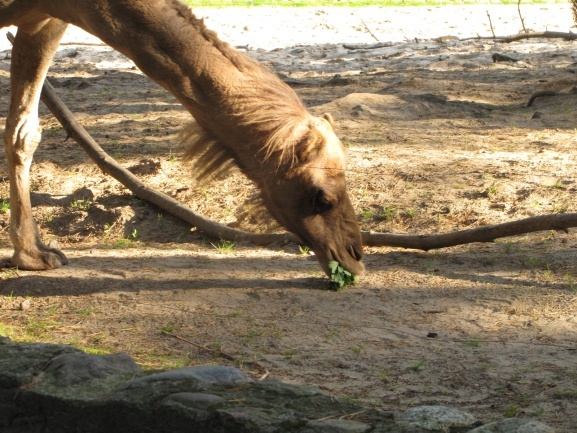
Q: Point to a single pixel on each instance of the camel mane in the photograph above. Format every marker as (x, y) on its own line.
(269, 112)
(182, 11)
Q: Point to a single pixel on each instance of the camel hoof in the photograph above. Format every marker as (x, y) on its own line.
(39, 260)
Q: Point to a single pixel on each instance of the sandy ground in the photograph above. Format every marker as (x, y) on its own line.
(439, 138)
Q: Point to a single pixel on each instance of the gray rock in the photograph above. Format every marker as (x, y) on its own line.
(337, 426)
(438, 418)
(221, 375)
(196, 400)
(514, 425)
(73, 368)
(56, 388)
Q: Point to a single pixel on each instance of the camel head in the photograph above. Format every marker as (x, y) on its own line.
(299, 166)
(307, 195)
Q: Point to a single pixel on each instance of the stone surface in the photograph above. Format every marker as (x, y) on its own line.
(439, 418)
(514, 425)
(56, 388)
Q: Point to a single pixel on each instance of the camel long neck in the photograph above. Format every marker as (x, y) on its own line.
(220, 87)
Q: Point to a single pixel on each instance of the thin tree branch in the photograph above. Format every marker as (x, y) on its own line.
(491, 24)
(521, 16)
(570, 36)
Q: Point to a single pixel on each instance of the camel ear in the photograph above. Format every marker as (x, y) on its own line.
(329, 118)
(309, 147)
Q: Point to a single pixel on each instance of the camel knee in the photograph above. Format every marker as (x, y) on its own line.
(21, 141)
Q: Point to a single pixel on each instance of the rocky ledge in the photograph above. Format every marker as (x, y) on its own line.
(58, 388)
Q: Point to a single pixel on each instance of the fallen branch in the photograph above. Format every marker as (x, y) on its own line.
(570, 36)
(560, 222)
(263, 370)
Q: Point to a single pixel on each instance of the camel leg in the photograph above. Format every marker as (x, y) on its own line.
(31, 55)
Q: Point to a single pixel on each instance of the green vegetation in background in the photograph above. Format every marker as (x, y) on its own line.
(358, 3)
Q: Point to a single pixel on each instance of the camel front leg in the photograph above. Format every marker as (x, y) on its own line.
(31, 55)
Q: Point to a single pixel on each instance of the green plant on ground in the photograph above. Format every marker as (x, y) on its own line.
(223, 246)
(418, 366)
(511, 411)
(4, 206)
(81, 204)
(340, 277)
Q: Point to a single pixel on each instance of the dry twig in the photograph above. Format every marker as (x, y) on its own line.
(263, 370)
(521, 16)
(369, 30)
(491, 24)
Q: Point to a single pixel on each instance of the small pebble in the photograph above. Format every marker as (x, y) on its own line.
(25, 305)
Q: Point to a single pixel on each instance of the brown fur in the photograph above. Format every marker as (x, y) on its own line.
(245, 116)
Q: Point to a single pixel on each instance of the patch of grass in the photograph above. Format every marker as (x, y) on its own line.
(81, 204)
(4, 206)
(357, 349)
(418, 366)
(9, 273)
(388, 213)
(473, 343)
(223, 246)
(6, 331)
(330, 335)
(384, 375)
(123, 243)
(565, 394)
(39, 328)
(367, 213)
(410, 213)
(304, 250)
(171, 156)
(290, 354)
(512, 410)
(349, 399)
(217, 345)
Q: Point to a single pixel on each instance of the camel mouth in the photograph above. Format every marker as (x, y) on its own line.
(351, 260)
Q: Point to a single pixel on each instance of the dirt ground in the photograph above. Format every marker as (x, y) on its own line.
(439, 137)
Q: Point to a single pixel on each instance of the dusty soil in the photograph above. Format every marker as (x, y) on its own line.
(440, 138)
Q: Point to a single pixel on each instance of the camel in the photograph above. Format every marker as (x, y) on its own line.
(245, 116)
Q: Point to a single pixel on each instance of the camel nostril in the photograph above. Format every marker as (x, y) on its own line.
(354, 252)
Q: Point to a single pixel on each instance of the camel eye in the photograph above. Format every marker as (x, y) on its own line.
(320, 203)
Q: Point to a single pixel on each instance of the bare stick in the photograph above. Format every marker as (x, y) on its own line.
(491, 24)
(513, 38)
(201, 347)
(264, 371)
(521, 16)
(369, 30)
